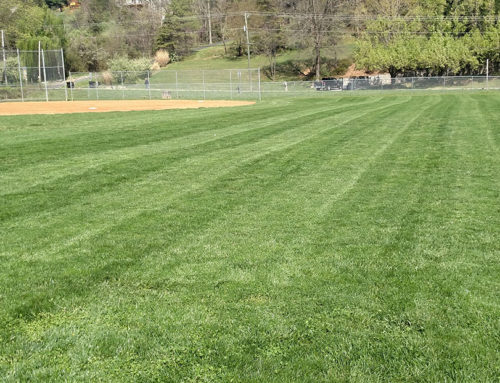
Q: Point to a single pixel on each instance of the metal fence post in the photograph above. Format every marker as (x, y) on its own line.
(88, 86)
(231, 83)
(4, 73)
(71, 84)
(96, 84)
(123, 88)
(487, 74)
(45, 77)
(203, 75)
(260, 93)
(250, 79)
(20, 75)
(176, 85)
(64, 75)
(149, 87)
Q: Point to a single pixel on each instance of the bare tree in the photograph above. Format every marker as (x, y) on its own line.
(220, 14)
(317, 25)
(270, 40)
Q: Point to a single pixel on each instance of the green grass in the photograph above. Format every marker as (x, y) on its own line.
(214, 58)
(327, 239)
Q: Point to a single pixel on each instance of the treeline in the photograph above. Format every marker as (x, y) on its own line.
(403, 37)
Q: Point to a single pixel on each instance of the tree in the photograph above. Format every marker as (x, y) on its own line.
(271, 40)
(317, 27)
(454, 41)
(56, 3)
(178, 32)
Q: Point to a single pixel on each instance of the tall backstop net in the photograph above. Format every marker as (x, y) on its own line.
(32, 75)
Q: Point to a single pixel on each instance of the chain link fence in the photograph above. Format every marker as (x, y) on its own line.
(32, 75)
(186, 84)
(334, 86)
(40, 76)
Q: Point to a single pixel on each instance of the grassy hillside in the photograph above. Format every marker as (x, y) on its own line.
(288, 61)
(326, 239)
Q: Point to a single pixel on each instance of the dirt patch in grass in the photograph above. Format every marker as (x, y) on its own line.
(62, 107)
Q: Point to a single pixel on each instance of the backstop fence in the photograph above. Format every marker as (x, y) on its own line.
(40, 76)
(31, 75)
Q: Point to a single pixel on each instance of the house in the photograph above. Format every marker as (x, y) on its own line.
(136, 3)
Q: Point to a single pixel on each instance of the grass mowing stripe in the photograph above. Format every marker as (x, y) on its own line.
(45, 196)
(316, 162)
(412, 315)
(91, 143)
(94, 272)
(119, 195)
(363, 169)
(21, 178)
(123, 136)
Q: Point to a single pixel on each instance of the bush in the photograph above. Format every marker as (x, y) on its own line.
(125, 64)
(133, 69)
(162, 58)
(9, 93)
(107, 77)
(155, 67)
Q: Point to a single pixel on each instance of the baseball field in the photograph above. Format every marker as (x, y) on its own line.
(347, 238)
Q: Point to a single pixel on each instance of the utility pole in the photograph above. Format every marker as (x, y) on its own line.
(248, 39)
(209, 24)
(4, 61)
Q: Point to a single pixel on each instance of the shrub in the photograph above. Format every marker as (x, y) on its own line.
(133, 69)
(8, 93)
(162, 58)
(155, 67)
(107, 77)
(125, 64)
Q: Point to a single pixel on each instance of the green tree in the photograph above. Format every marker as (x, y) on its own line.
(56, 3)
(178, 32)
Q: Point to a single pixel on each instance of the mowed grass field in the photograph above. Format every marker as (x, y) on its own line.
(328, 239)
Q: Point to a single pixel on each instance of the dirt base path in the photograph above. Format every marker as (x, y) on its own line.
(61, 107)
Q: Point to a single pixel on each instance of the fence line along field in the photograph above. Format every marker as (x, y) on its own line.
(305, 239)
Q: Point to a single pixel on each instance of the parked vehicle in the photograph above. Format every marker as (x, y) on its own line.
(329, 84)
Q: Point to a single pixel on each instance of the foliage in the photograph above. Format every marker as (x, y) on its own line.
(162, 57)
(272, 40)
(177, 33)
(82, 53)
(125, 64)
(56, 3)
(459, 44)
(11, 71)
(10, 93)
(133, 69)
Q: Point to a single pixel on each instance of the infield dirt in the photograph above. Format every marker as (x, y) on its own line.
(62, 107)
